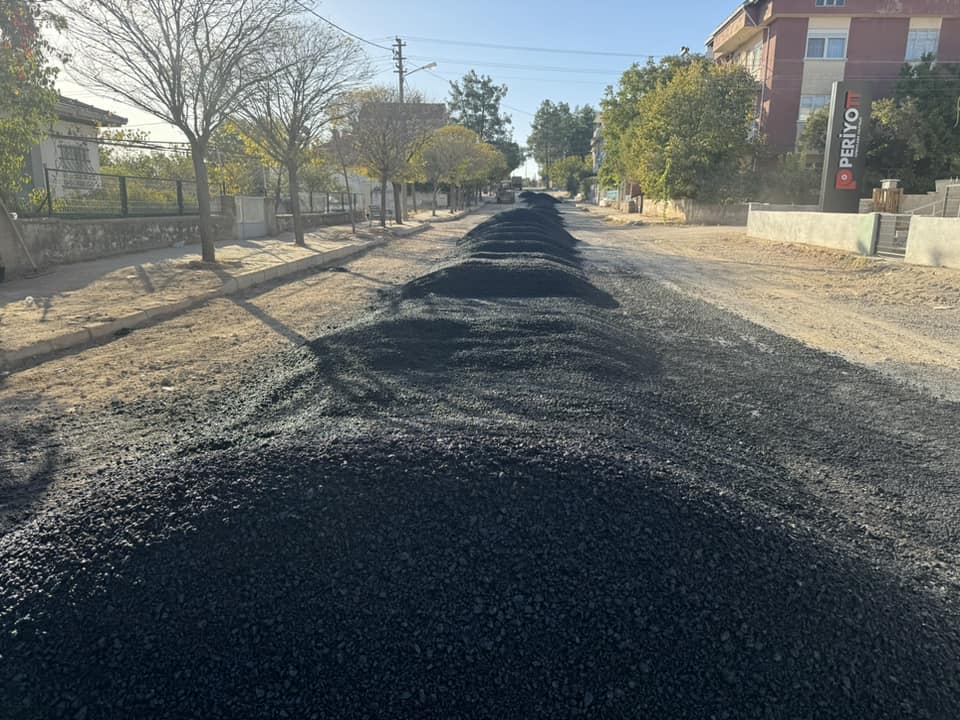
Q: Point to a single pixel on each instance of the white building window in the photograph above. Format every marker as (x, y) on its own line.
(920, 43)
(831, 3)
(827, 46)
(752, 60)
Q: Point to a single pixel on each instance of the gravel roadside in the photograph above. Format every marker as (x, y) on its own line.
(617, 502)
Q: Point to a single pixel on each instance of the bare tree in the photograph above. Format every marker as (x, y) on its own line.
(316, 68)
(187, 62)
(342, 150)
(387, 134)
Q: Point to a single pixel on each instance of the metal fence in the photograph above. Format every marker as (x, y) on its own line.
(74, 194)
(324, 202)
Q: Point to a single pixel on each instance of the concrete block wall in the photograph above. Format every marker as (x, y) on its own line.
(53, 241)
(841, 231)
(695, 212)
(934, 241)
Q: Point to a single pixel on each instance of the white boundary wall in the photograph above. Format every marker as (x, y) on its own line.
(840, 231)
(934, 241)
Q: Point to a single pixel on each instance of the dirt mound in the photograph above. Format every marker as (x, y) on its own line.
(412, 574)
(517, 276)
(539, 199)
(520, 253)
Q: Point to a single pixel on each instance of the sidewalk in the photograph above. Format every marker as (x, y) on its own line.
(618, 217)
(80, 303)
(443, 214)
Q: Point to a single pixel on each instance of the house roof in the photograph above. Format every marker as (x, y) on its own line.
(72, 110)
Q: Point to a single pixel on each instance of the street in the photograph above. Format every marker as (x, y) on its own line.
(713, 477)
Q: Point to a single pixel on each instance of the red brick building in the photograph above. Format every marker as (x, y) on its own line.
(798, 48)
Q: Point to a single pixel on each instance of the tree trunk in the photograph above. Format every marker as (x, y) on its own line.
(397, 204)
(346, 184)
(435, 199)
(208, 251)
(276, 197)
(383, 201)
(413, 188)
(295, 203)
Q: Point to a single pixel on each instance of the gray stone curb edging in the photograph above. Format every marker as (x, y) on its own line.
(34, 353)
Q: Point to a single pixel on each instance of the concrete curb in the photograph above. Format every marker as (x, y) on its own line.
(35, 353)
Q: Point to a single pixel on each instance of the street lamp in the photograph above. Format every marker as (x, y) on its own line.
(401, 76)
(404, 73)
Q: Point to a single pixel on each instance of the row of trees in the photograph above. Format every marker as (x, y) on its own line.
(248, 83)
(684, 127)
(200, 64)
(559, 132)
(681, 127)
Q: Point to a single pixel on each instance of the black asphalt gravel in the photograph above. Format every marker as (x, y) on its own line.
(532, 483)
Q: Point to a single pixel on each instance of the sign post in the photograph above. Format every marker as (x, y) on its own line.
(844, 159)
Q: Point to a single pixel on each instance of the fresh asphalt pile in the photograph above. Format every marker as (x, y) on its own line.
(593, 497)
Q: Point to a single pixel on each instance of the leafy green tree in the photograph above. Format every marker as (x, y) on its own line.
(512, 153)
(27, 96)
(621, 108)
(690, 137)
(571, 173)
(119, 155)
(786, 178)
(475, 104)
(559, 132)
(927, 96)
(445, 155)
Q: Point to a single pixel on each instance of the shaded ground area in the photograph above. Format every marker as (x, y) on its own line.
(516, 506)
(68, 297)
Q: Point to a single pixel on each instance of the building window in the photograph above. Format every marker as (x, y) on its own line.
(752, 60)
(831, 3)
(75, 157)
(827, 46)
(920, 43)
(809, 104)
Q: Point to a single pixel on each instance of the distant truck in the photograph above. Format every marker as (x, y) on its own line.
(516, 182)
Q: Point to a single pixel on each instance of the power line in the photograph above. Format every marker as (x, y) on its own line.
(560, 51)
(516, 66)
(524, 112)
(341, 29)
(568, 81)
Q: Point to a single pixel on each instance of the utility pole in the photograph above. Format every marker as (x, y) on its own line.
(398, 59)
(398, 47)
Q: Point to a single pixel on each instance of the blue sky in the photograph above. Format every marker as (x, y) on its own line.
(626, 31)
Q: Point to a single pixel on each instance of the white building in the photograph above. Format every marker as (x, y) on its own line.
(70, 147)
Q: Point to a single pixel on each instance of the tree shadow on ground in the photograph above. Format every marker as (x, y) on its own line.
(30, 454)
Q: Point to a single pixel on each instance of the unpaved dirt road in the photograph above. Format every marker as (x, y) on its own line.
(531, 480)
(899, 319)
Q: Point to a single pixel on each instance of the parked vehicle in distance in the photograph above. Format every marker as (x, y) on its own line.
(516, 182)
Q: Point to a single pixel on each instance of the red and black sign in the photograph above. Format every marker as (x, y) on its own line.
(844, 159)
